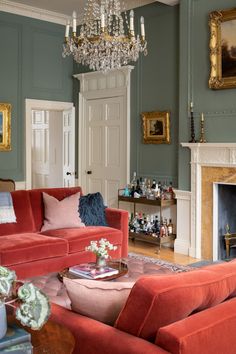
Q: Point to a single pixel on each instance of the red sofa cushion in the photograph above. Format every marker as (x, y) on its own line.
(20, 248)
(155, 302)
(80, 238)
(36, 198)
(24, 216)
(207, 332)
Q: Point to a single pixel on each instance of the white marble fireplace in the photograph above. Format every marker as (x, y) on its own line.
(211, 164)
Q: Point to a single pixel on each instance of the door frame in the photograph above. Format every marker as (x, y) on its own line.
(97, 85)
(31, 104)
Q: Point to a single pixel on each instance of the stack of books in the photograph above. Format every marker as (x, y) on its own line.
(16, 341)
(90, 271)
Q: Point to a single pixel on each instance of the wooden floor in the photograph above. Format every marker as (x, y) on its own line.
(166, 253)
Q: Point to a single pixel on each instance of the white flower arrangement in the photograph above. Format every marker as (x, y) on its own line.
(100, 248)
(31, 304)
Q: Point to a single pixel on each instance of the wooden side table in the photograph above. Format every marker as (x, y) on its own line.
(230, 241)
(52, 338)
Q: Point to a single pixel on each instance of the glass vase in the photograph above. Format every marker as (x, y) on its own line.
(101, 262)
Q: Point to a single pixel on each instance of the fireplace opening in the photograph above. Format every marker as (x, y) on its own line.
(226, 220)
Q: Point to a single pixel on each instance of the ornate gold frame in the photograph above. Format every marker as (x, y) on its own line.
(5, 112)
(216, 80)
(151, 135)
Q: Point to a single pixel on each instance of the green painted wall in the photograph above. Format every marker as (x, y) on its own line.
(218, 106)
(155, 88)
(31, 66)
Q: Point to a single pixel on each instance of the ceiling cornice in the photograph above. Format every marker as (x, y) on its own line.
(59, 18)
(33, 12)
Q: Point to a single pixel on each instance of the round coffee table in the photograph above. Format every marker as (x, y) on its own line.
(121, 266)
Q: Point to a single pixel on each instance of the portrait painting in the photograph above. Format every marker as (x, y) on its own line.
(5, 127)
(223, 49)
(156, 127)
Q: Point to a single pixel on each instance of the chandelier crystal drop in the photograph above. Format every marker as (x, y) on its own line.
(106, 38)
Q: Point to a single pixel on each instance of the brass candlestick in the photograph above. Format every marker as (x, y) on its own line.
(202, 136)
(193, 140)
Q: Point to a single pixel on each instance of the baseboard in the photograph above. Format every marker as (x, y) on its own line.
(181, 247)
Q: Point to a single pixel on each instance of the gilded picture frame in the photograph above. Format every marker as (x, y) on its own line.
(156, 127)
(222, 49)
(5, 127)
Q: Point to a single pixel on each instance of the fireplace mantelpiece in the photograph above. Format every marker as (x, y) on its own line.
(210, 163)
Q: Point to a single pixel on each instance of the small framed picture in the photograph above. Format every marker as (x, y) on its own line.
(5, 127)
(156, 127)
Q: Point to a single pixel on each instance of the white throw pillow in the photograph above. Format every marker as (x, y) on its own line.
(100, 300)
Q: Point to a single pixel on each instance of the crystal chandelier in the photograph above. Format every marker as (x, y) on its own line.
(106, 39)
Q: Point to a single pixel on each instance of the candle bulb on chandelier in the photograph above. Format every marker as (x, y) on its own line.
(102, 17)
(142, 27)
(131, 20)
(67, 31)
(74, 25)
(202, 117)
(191, 107)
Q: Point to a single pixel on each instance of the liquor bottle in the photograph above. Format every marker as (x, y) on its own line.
(143, 186)
(148, 191)
(154, 185)
(170, 228)
(162, 229)
(133, 182)
(170, 190)
(138, 188)
(156, 225)
(131, 221)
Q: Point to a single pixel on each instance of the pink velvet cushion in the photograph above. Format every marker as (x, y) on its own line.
(100, 300)
(29, 247)
(155, 302)
(36, 200)
(61, 214)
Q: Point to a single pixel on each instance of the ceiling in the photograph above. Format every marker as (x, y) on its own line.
(65, 7)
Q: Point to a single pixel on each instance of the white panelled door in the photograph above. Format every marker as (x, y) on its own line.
(40, 149)
(53, 148)
(105, 136)
(69, 148)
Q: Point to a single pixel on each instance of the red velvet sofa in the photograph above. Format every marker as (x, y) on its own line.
(30, 252)
(186, 313)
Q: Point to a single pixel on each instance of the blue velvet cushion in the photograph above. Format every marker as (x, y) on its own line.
(92, 210)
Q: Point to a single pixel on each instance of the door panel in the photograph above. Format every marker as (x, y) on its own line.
(105, 132)
(40, 149)
(69, 148)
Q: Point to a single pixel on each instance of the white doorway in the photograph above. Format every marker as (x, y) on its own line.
(50, 144)
(104, 132)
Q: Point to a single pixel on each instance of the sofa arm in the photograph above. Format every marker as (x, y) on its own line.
(93, 337)
(119, 219)
(211, 331)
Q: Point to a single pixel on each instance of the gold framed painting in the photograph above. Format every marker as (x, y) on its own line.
(156, 127)
(5, 127)
(223, 49)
